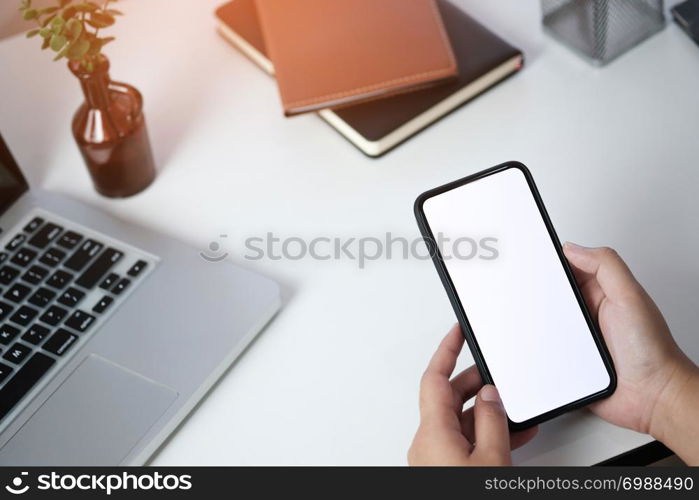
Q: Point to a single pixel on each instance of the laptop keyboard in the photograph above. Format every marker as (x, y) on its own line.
(58, 282)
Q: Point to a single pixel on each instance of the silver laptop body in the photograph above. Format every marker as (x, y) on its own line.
(109, 333)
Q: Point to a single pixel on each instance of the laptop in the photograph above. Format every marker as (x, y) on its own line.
(109, 333)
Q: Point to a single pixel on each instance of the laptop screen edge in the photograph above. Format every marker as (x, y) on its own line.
(12, 183)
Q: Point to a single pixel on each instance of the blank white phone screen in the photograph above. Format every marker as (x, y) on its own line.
(521, 307)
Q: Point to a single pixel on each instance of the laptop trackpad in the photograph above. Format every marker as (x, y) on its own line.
(95, 417)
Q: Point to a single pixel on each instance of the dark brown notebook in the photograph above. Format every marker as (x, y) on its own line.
(483, 58)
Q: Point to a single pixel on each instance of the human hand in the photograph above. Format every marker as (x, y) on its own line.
(651, 369)
(447, 434)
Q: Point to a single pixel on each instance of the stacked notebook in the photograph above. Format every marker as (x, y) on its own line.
(378, 71)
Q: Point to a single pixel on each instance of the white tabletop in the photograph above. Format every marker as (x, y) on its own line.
(334, 378)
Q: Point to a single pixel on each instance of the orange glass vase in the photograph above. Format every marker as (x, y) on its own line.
(111, 133)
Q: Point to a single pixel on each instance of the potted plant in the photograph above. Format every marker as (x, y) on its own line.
(109, 127)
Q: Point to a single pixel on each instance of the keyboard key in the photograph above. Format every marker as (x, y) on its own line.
(7, 333)
(4, 372)
(5, 309)
(103, 304)
(109, 281)
(53, 315)
(17, 292)
(52, 257)
(69, 239)
(16, 242)
(4, 256)
(83, 255)
(35, 275)
(7, 274)
(36, 334)
(71, 297)
(42, 297)
(59, 279)
(17, 353)
(23, 257)
(24, 315)
(121, 286)
(99, 268)
(46, 235)
(80, 321)
(23, 381)
(60, 342)
(33, 225)
(137, 268)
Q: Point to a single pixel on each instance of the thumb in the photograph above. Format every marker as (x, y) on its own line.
(491, 431)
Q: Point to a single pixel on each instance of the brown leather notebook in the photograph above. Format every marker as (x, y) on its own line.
(330, 53)
(375, 127)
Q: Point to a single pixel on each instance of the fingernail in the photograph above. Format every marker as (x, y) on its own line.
(490, 394)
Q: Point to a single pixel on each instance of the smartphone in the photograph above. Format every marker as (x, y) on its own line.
(518, 304)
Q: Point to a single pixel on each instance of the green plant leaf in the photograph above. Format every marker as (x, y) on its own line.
(74, 28)
(33, 33)
(57, 24)
(48, 10)
(45, 45)
(45, 32)
(62, 53)
(78, 49)
(58, 42)
(30, 14)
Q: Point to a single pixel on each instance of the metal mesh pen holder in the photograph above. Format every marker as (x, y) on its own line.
(601, 30)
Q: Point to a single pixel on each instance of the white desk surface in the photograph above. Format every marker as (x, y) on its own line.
(334, 378)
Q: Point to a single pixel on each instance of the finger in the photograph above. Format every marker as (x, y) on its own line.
(614, 277)
(519, 439)
(492, 432)
(468, 422)
(444, 359)
(466, 384)
(582, 277)
(436, 394)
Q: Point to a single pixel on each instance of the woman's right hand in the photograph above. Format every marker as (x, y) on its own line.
(658, 385)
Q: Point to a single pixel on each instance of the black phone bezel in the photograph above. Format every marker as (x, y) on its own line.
(461, 314)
